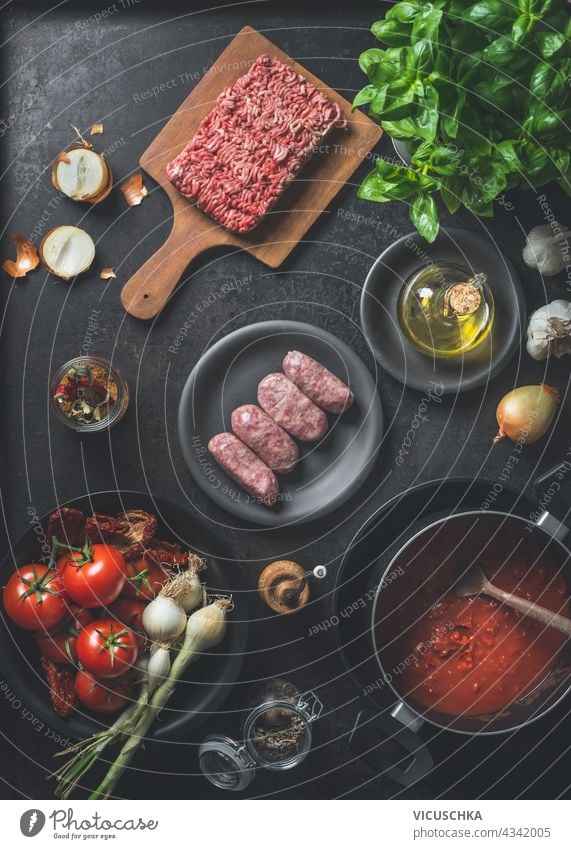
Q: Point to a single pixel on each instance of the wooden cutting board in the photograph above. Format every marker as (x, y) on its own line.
(193, 232)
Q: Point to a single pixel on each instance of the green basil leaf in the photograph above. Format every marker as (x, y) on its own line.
(391, 172)
(392, 32)
(522, 28)
(504, 53)
(507, 151)
(547, 84)
(440, 158)
(378, 102)
(388, 182)
(368, 93)
(550, 43)
(424, 216)
(472, 132)
(426, 24)
(405, 12)
(428, 115)
(404, 128)
(550, 126)
(497, 91)
(450, 194)
(420, 57)
(490, 14)
(451, 121)
(369, 59)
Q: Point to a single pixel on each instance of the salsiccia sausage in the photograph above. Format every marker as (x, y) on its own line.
(266, 438)
(244, 467)
(318, 383)
(290, 408)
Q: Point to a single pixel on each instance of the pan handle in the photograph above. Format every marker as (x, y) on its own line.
(553, 490)
(390, 748)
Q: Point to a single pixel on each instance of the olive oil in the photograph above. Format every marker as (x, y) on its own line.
(444, 311)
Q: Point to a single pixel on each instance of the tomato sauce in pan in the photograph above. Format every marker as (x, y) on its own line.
(475, 656)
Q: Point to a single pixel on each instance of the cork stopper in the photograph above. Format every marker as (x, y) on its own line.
(463, 298)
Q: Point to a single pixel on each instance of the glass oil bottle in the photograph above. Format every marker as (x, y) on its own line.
(444, 311)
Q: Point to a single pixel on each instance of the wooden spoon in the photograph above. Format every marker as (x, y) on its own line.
(474, 582)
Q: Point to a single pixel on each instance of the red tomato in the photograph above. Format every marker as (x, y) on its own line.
(60, 647)
(35, 598)
(102, 698)
(144, 579)
(129, 612)
(107, 649)
(94, 576)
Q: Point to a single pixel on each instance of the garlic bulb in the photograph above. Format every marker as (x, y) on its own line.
(547, 249)
(549, 331)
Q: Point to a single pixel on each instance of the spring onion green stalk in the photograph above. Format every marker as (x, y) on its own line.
(85, 753)
(205, 628)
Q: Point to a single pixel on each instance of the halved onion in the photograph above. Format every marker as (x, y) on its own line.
(67, 251)
(26, 257)
(82, 174)
(134, 190)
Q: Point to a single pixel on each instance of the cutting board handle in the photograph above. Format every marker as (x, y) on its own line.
(147, 291)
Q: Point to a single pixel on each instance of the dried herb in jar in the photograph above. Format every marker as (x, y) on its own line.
(87, 393)
(281, 738)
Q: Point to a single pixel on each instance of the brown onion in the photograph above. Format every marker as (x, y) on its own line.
(526, 413)
(82, 174)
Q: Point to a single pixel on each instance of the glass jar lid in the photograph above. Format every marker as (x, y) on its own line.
(226, 763)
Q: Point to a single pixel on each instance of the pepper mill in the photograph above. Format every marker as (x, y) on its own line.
(285, 585)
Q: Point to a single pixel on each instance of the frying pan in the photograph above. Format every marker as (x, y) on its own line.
(416, 552)
(208, 681)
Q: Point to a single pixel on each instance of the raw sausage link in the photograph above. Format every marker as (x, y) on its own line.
(290, 408)
(244, 467)
(318, 383)
(266, 438)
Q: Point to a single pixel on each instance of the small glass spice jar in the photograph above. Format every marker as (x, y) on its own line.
(89, 394)
(276, 735)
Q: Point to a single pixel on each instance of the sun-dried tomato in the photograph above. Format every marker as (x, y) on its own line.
(129, 532)
(138, 528)
(100, 528)
(67, 524)
(61, 681)
(166, 552)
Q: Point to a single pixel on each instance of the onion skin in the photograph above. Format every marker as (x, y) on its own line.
(525, 414)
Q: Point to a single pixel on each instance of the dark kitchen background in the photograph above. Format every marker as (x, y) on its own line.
(61, 67)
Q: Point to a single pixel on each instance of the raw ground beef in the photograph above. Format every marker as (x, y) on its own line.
(257, 138)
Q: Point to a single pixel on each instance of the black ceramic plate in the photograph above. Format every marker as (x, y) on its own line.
(207, 682)
(393, 350)
(227, 376)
